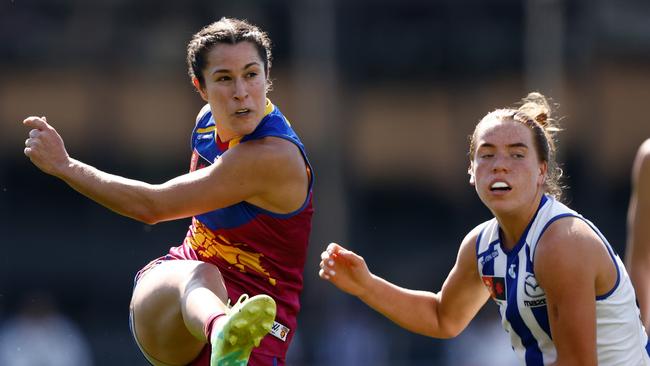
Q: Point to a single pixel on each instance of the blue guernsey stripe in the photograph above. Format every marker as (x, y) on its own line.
(478, 241)
(611, 254)
(541, 315)
(539, 312)
(533, 353)
(529, 264)
(488, 267)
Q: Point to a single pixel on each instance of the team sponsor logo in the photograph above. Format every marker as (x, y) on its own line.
(535, 303)
(488, 256)
(496, 286)
(280, 331)
(534, 291)
(531, 287)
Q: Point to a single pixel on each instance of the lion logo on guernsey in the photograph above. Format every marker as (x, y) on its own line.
(206, 244)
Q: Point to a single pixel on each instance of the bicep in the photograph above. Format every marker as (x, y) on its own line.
(463, 292)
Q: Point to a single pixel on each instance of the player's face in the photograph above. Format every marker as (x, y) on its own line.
(235, 87)
(505, 167)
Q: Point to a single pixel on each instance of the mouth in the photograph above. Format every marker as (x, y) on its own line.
(242, 112)
(500, 186)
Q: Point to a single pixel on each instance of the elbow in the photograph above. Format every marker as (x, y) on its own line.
(145, 218)
(447, 330)
(447, 333)
(147, 214)
(149, 220)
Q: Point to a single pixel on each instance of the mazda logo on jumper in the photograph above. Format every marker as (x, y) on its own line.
(531, 287)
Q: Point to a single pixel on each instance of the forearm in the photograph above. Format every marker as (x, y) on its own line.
(638, 258)
(413, 310)
(638, 249)
(125, 196)
(640, 275)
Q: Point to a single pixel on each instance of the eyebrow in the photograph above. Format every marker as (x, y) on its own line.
(516, 144)
(243, 68)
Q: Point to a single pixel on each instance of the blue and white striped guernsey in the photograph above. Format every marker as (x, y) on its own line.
(510, 277)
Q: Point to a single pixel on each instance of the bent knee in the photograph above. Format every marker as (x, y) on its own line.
(157, 318)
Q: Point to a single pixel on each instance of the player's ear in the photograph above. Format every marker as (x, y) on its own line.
(543, 168)
(199, 88)
(470, 171)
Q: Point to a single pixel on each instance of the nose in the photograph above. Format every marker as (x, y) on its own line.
(240, 92)
(500, 164)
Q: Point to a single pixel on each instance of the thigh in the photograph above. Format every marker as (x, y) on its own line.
(157, 311)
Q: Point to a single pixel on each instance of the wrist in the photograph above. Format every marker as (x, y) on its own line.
(369, 288)
(64, 170)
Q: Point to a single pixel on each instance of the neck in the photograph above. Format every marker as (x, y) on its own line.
(513, 224)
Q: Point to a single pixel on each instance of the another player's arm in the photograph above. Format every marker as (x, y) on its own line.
(638, 244)
(570, 264)
(249, 171)
(441, 315)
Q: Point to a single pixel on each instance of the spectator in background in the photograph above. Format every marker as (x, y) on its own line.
(638, 242)
(39, 335)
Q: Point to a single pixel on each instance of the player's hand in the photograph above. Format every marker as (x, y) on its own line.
(44, 146)
(345, 269)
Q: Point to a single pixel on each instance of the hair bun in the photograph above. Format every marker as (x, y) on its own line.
(542, 119)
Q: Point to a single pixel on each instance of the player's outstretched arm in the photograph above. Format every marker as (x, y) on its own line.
(638, 238)
(441, 315)
(269, 172)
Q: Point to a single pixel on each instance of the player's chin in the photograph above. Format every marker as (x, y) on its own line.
(499, 203)
(246, 127)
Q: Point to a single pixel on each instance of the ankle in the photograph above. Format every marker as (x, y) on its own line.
(214, 321)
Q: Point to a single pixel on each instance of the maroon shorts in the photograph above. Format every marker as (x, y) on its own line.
(256, 359)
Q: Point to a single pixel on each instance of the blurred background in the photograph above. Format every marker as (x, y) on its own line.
(384, 94)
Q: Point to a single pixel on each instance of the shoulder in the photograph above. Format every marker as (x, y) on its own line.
(567, 244)
(642, 160)
(566, 234)
(268, 149)
(205, 109)
(267, 157)
(470, 241)
(644, 150)
(473, 235)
